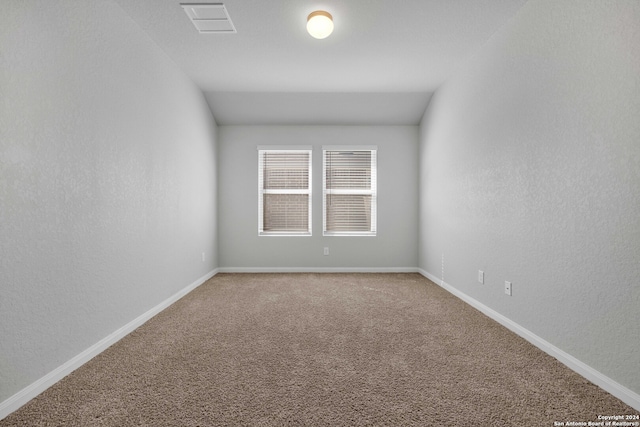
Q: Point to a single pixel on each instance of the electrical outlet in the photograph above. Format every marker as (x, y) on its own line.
(507, 288)
(480, 276)
(326, 251)
(202, 256)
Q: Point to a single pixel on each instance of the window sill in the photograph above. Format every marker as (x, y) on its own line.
(349, 234)
(284, 234)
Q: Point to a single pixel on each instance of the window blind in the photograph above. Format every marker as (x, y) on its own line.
(349, 192)
(284, 192)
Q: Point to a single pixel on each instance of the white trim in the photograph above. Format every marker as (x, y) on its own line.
(286, 147)
(25, 395)
(22, 397)
(262, 149)
(349, 234)
(318, 270)
(629, 397)
(349, 192)
(373, 191)
(285, 234)
(287, 191)
(349, 147)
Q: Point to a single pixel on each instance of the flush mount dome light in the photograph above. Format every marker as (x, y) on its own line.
(320, 24)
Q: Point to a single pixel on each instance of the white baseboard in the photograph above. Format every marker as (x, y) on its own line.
(26, 394)
(318, 270)
(629, 397)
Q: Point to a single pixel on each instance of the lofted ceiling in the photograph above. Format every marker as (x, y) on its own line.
(380, 66)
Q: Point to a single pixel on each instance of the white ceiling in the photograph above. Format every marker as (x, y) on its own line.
(380, 65)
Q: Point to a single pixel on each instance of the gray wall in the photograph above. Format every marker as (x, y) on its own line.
(107, 181)
(395, 246)
(530, 171)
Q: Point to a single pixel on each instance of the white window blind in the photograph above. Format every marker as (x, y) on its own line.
(284, 192)
(349, 192)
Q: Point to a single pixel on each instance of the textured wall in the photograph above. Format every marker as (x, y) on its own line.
(396, 242)
(107, 181)
(530, 171)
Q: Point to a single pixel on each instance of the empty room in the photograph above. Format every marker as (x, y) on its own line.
(319, 212)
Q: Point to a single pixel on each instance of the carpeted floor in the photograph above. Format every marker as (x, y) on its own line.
(319, 350)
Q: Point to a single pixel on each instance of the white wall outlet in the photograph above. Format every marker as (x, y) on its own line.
(202, 256)
(326, 251)
(480, 276)
(507, 288)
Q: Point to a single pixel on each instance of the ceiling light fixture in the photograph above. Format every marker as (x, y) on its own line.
(320, 24)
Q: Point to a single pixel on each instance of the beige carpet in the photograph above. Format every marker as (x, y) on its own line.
(319, 350)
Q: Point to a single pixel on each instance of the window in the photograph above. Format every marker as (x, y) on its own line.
(284, 191)
(349, 191)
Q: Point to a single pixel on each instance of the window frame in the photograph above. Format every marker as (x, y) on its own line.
(262, 191)
(372, 191)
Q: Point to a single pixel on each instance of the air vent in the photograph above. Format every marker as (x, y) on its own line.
(211, 18)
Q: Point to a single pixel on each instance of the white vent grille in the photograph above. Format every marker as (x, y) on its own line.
(211, 18)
